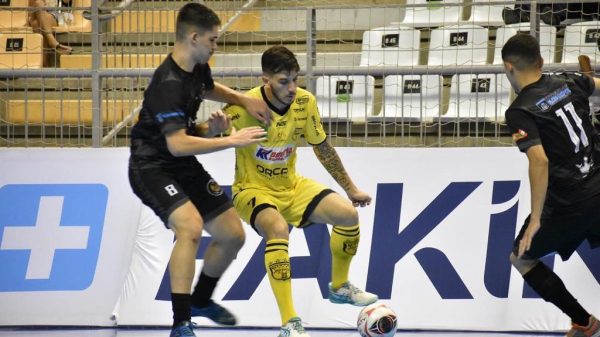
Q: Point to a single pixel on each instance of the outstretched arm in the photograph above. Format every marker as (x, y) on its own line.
(585, 66)
(180, 144)
(330, 160)
(255, 107)
(538, 180)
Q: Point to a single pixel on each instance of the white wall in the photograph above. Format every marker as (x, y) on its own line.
(425, 243)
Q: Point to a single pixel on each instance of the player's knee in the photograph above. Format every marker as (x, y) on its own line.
(275, 231)
(347, 217)
(522, 265)
(188, 227)
(236, 240)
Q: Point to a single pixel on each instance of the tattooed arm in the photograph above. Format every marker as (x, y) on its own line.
(330, 160)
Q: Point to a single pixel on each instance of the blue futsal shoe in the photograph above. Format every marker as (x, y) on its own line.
(214, 312)
(183, 329)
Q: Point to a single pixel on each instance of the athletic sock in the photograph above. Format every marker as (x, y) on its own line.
(277, 263)
(552, 289)
(181, 308)
(204, 290)
(343, 245)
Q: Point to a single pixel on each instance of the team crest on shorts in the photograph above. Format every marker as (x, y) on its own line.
(280, 270)
(214, 188)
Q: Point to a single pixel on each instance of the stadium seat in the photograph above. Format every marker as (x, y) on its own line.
(345, 98)
(410, 98)
(336, 19)
(151, 21)
(84, 61)
(478, 97)
(581, 38)
(21, 50)
(64, 112)
(435, 14)
(79, 24)
(458, 45)
(253, 60)
(390, 46)
(488, 15)
(11, 20)
(163, 21)
(547, 40)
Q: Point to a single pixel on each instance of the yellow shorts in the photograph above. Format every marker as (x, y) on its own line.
(295, 205)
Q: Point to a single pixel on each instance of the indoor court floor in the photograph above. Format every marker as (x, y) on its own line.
(220, 332)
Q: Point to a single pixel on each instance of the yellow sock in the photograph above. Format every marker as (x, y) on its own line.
(343, 244)
(277, 263)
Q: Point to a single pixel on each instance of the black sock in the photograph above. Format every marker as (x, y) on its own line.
(552, 289)
(204, 290)
(181, 308)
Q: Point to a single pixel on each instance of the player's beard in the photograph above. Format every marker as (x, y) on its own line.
(285, 100)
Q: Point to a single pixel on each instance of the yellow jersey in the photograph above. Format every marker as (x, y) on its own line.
(271, 165)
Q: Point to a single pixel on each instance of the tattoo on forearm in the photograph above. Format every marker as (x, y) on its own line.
(332, 163)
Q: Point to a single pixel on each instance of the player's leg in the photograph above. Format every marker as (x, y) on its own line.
(227, 239)
(274, 229)
(187, 223)
(222, 222)
(551, 238)
(345, 236)
(315, 203)
(260, 210)
(159, 190)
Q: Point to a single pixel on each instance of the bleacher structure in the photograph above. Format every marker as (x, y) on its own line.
(385, 72)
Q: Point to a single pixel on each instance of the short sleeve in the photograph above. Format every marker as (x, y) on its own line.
(586, 83)
(524, 131)
(313, 130)
(167, 107)
(206, 77)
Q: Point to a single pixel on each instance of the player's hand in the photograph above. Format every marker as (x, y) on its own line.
(247, 136)
(258, 109)
(525, 243)
(218, 122)
(359, 198)
(585, 66)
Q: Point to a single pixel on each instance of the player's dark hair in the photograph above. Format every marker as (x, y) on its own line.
(523, 52)
(277, 59)
(195, 16)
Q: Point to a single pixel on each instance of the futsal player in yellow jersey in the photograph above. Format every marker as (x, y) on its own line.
(269, 195)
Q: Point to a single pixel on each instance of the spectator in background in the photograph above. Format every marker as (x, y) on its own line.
(42, 21)
(550, 14)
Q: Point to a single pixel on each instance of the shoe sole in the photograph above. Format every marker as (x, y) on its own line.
(358, 304)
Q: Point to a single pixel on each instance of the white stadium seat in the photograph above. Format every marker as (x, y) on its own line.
(581, 38)
(481, 97)
(390, 46)
(458, 45)
(488, 15)
(410, 98)
(434, 14)
(547, 40)
(345, 98)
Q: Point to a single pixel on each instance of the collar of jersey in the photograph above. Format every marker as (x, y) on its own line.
(280, 112)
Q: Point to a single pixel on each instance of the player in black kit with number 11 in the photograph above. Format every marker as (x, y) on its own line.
(550, 122)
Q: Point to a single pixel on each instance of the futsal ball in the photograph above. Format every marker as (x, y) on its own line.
(376, 320)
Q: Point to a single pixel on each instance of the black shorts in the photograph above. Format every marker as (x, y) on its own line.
(164, 190)
(563, 230)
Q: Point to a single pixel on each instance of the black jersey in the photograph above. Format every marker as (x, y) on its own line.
(554, 112)
(171, 102)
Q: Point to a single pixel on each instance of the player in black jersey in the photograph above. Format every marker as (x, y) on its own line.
(551, 125)
(167, 177)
